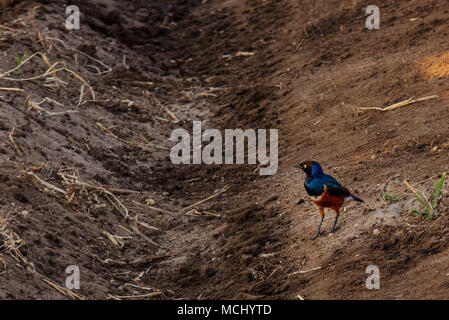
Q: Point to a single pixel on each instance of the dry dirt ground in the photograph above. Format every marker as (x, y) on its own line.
(86, 177)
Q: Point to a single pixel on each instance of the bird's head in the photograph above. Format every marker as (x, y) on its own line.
(311, 168)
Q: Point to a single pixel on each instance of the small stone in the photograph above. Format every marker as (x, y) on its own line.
(376, 232)
(150, 202)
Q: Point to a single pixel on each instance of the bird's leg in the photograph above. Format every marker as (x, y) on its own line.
(337, 211)
(318, 231)
(319, 227)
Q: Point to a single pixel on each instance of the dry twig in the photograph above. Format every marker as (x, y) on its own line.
(399, 104)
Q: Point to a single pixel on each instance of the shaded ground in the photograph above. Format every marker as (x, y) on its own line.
(94, 186)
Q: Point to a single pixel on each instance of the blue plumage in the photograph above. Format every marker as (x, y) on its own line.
(317, 180)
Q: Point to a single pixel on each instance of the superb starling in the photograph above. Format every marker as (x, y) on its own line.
(325, 191)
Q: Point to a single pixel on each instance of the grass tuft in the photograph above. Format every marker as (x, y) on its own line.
(390, 198)
(19, 61)
(428, 211)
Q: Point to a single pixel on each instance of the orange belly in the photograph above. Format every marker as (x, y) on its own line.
(329, 201)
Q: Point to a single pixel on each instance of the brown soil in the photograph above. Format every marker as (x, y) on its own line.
(311, 65)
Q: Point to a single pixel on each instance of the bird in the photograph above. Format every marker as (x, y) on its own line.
(325, 191)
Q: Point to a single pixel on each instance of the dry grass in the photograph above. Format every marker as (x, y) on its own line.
(138, 296)
(11, 243)
(12, 89)
(75, 191)
(11, 138)
(399, 104)
(53, 79)
(36, 106)
(303, 271)
(115, 239)
(80, 193)
(66, 292)
(206, 199)
(57, 67)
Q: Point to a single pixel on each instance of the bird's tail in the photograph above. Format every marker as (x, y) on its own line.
(356, 198)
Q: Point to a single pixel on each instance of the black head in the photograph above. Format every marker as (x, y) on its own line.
(306, 166)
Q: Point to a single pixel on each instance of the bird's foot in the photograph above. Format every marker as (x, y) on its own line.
(317, 235)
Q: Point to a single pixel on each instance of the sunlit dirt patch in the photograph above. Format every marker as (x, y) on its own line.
(436, 66)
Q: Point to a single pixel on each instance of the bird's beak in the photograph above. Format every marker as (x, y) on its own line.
(298, 166)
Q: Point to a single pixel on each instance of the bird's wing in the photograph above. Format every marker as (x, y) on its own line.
(334, 188)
